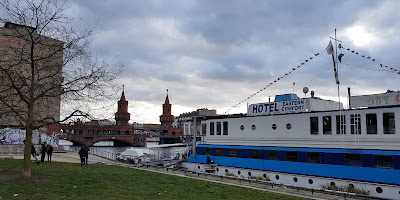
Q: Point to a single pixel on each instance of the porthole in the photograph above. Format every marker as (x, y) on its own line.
(242, 127)
(226, 170)
(273, 126)
(239, 172)
(198, 167)
(253, 127)
(249, 173)
(288, 126)
(310, 181)
(217, 169)
(295, 179)
(333, 183)
(277, 177)
(379, 190)
(265, 175)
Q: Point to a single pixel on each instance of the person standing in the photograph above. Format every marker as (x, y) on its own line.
(86, 154)
(49, 152)
(43, 151)
(33, 152)
(82, 155)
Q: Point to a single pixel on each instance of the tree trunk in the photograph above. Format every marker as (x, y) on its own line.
(26, 168)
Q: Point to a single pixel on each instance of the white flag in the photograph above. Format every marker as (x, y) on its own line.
(329, 49)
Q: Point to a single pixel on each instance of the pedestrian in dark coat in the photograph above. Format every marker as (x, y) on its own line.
(43, 151)
(86, 154)
(49, 152)
(33, 152)
(82, 155)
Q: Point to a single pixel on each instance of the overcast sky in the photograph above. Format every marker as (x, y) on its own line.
(215, 54)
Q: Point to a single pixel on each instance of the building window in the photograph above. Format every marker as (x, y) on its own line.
(219, 152)
(327, 124)
(292, 156)
(313, 157)
(314, 125)
(355, 124)
(255, 154)
(340, 124)
(232, 153)
(203, 129)
(272, 155)
(353, 160)
(219, 128)
(388, 123)
(207, 151)
(225, 128)
(371, 123)
(383, 161)
(212, 128)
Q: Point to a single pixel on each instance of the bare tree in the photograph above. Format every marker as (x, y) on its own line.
(44, 59)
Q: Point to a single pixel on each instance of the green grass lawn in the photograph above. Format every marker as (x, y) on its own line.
(71, 181)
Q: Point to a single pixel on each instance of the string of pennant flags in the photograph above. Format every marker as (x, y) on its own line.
(341, 47)
(329, 50)
(275, 81)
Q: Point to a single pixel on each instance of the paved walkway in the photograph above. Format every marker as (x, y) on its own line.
(73, 157)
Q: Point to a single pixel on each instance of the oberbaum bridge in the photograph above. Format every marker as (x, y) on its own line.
(121, 133)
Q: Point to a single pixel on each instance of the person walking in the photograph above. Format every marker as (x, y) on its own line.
(43, 151)
(33, 152)
(86, 154)
(49, 152)
(82, 155)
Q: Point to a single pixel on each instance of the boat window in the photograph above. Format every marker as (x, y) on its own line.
(273, 126)
(253, 127)
(255, 154)
(355, 124)
(313, 157)
(212, 128)
(218, 128)
(383, 161)
(288, 126)
(353, 160)
(225, 128)
(388, 123)
(207, 151)
(292, 156)
(371, 123)
(340, 124)
(232, 152)
(219, 152)
(314, 125)
(203, 129)
(327, 124)
(241, 127)
(272, 155)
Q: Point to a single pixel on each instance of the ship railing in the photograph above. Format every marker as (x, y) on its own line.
(273, 184)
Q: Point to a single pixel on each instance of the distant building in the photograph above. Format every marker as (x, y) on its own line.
(15, 50)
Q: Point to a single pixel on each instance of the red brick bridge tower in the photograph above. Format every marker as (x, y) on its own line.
(122, 116)
(166, 118)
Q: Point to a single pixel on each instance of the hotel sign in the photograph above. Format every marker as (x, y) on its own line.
(385, 99)
(298, 105)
